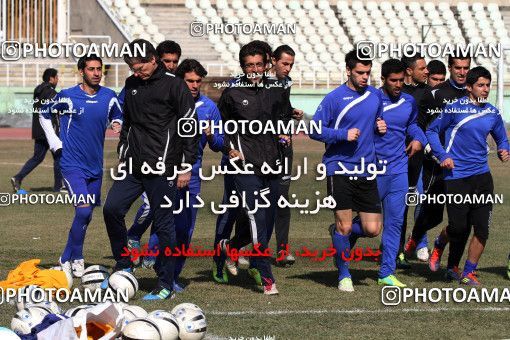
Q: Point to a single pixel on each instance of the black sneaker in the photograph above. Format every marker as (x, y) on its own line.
(16, 184)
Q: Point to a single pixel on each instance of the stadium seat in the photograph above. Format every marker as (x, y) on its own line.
(266, 5)
(133, 3)
(294, 4)
(196, 12)
(131, 20)
(190, 4)
(462, 6)
(279, 4)
(414, 7)
(204, 4)
(120, 3)
(342, 5)
(145, 20)
(323, 5)
(221, 4)
(124, 11)
(477, 7)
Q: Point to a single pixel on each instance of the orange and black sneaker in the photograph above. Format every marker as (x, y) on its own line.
(470, 279)
(435, 259)
(410, 247)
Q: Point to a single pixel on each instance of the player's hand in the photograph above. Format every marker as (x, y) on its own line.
(297, 114)
(353, 134)
(447, 164)
(413, 148)
(235, 153)
(503, 155)
(183, 180)
(116, 127)
(58, 153)
(381, 126)
(284, 140)
(208, 132)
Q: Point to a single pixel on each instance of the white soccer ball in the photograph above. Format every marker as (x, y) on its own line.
(142, 329)
(31, 294)
(93, 276)
(167, 324)
(75, 310)
(191, 321)
(51, 305)
(123, 282)
(27, 318)
(132, 312)
(7, 334)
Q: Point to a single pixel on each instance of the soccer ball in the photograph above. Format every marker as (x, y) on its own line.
(27, 318)
(141, 328)
(74, 311)
(123, 281)
(93, 276)
(51, 305)
(7, 334)
(191, 321)
(167, 324)
(132, 312)
(31, 294)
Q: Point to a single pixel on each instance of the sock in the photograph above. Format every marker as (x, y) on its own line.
(357, 231)
(469, 267)
(341, 244)
(74, 246)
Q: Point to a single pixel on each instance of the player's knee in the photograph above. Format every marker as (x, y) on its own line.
(373, 229)
(111, 208)
(84, 212)
(343, 228)
(482, 234)
(456, 231)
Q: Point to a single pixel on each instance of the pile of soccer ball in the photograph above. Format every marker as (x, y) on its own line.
(186, 321)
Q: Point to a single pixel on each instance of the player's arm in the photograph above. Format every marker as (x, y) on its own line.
(57, 105)
(436, 128)
(215, 138)
(328, 134)
(498, 132)
(380, 124)
(126, 125)
(412, 127)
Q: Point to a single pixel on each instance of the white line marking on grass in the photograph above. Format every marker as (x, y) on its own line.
(359, 311)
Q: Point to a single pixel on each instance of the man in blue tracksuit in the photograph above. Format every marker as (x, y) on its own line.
(351, 116)
(400, 113)
(464, 160)
(192, 72)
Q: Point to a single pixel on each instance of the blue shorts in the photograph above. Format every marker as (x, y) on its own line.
(86, 190)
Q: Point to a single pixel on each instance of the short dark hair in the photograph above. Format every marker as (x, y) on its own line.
(190, 65)
(475, 73)
(392, 66)
(49, 73)
(82, 62)
(436, 67)
(451, 58)
(169, 46)
(251, 50)
(262, 45)
(352, 58)
(410, 62)
(277, 54)
(145, 46)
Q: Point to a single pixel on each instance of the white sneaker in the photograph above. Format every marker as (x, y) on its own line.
(243, 262)
(78, 267)
(231, 266)
(68, 270)
(270, 289)
(345, 285)
(423, 254)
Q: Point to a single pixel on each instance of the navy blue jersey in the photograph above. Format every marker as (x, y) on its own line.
(83, 121)
(341, 110)
(400, 115)
(466, 128)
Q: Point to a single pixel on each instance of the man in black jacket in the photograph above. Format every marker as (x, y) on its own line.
(256, 98)
(43, 92)
(155, 152)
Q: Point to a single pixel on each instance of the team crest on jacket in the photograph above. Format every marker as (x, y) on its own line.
(134, 92)
(245, 102)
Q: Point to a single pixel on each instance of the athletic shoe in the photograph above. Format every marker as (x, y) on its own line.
(68, 270)
(243, 262)
(230, 264)
(452, 274)
(470, 280)
(423, 254)
(345, 285)
(220, 279)
(270, 287)
(255, 274)
(508, 269)
(78, 267)
(402, 262)
(148, 262)
(331, 229)
(287, 260)
(159, 293)
(16, 184)
(391, 280)
(63, 190)
(134, 244)
(409, 247)
(104, 284)
(435, 259)
(177, 287)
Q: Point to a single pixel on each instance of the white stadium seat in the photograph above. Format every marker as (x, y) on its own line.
(279, 4)
(190, 4)
(145, 20)
(124, 12)
(204, 4)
